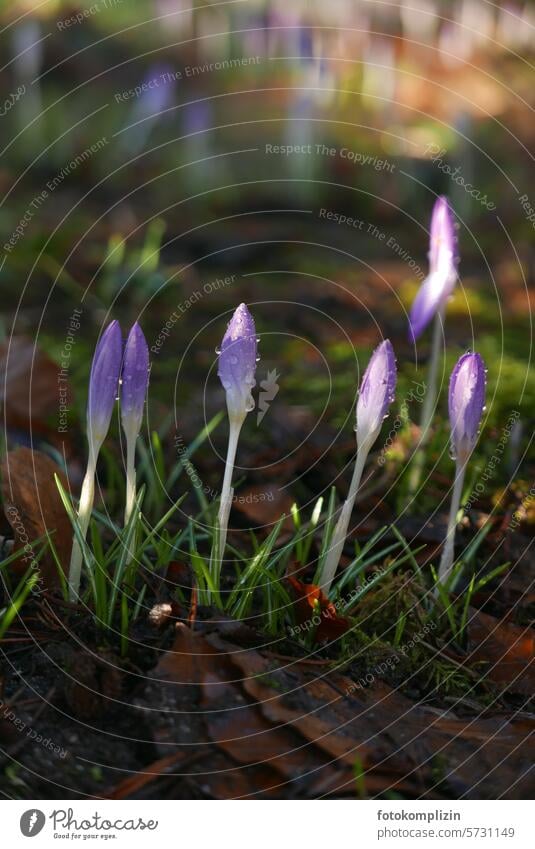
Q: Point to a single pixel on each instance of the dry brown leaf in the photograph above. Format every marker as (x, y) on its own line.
(312, 605)
(280, 728)
(33, 506)
(397, 741)
(507, 649)
(28, 385)
(264, 505)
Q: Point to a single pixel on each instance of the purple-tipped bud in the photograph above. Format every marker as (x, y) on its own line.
(103, 383)
(135, 380)
(443, 261)
(376, 393)
(237, 362)
(466, 403)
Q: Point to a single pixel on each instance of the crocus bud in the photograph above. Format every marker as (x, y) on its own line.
(135, 380)
(237, 363)
(466, 402)
(103, 384)
(376, 393)
(375, 396)
(443, 261)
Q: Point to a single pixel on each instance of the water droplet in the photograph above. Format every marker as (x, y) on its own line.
(258, 359)
(218, 351)
(249, 404)
(452, 452)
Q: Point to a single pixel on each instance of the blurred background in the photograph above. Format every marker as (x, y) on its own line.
(164, 160)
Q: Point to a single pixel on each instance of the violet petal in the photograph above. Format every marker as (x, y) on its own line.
(237, 361)
(104, 382)
(377, 392)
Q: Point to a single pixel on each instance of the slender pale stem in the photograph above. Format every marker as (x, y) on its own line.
(87, 496)
(428, 406)
(226, 491)
(446, 561)
(130, 502)
(340, 532)
(130, 478)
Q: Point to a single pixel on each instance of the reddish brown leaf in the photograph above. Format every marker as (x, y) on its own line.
(507, 649)
(33, 506)
(190, 659)
(264, 505)
(314, 610)
(28, 385)
(395, 740)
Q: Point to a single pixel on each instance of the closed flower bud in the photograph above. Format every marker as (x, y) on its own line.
(103, 384)
(375, 396)
(466, 403)
(134, 380)
(443, 261)
(376, 393)
(237, 362)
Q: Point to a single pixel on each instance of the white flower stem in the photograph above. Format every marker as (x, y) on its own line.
(340, 532)
(227, 491)
(87, 496)
(428, 406)
(446, 561)
(130, 502)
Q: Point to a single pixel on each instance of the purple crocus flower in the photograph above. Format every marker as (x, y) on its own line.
(155, 95)
(375, 396)
(135, 380)
(376, 392)
(237, 362)
(443, 261)
(466, 402)
(103, 384)
(134, 383)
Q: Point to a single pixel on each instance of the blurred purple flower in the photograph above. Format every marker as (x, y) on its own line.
(103, 384)
(197, 116)
(376, 393)
(443, 261)
(135, 380)
(157, 91)
(237, 362)
(153, 96)
(466, 402)
(306, 43)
